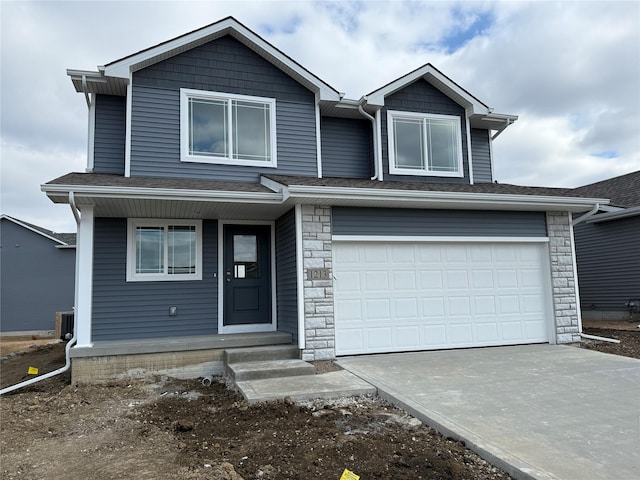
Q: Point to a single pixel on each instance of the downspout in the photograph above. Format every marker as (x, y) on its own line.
(575, 278)
(71, 342)
(362, 111)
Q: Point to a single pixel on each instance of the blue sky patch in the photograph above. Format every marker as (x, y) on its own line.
(606, 154)
(470, 26)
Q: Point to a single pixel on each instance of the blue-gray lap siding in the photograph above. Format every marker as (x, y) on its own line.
(481, 156)
(36, 279)
(347, 147)
(422, 97)
(129, 310)
(413, 222)
(286, 275)
(223, 65)
(608, 260)
(109, 138)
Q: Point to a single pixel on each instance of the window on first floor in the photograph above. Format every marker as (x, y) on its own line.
(422, 144)
(164, 250)
(227, 129)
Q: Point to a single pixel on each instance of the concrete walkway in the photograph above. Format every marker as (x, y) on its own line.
(537, 411)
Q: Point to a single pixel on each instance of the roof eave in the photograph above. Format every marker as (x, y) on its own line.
(452, 199)
(615, 215)
(57, 190)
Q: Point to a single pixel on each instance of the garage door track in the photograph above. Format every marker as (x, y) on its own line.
(537, 411)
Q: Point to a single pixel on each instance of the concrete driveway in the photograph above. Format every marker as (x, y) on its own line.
(537, 411)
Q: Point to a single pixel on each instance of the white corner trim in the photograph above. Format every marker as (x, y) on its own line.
(91, 134)
(575, 271)
(127, 135)
(469, 155)
(300, 278)
(493, 171)
(378, 145)
(436, 239)
(84, 278)
(318, 139)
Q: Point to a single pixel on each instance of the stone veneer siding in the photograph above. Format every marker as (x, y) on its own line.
(318, 294)
(565, 307)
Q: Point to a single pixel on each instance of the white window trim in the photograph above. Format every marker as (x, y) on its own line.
(186, 94)
(393, 170)
(132, 276)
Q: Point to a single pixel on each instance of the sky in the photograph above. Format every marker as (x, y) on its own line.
(570, 70)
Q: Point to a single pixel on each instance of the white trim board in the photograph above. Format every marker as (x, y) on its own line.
(436, 239)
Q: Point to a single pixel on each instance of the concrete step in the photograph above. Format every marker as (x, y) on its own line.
(262, 353)
(268, 369)
(327, 386)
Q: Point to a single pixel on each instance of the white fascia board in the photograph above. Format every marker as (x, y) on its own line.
(453, 198)
(164, 194)
(126, 66)
(614, 215)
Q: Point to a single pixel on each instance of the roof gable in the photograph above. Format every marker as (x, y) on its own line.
(123, 67)
(66, 239)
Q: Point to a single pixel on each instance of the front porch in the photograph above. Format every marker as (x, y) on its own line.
(180, 357)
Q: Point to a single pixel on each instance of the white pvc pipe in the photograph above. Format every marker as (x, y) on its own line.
(46, 375)
(603, 339)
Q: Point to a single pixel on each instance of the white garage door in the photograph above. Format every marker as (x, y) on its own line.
(401, 296)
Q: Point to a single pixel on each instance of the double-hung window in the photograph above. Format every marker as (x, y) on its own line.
(227, 129)
(424, 144)
(159, 250)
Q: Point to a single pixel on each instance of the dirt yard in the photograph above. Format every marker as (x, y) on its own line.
(165, 429)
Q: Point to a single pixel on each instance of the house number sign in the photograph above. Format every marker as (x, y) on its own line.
(318, 274)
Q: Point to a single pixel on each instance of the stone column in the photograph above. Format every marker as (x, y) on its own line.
(318, 294)
(565, 307)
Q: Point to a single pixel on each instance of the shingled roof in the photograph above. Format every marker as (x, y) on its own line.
(624, 191)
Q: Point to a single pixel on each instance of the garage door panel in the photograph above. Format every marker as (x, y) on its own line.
(412, 296)
(433, 307)
(431, 279)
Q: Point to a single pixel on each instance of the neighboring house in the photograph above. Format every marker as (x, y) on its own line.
(234, 198)
(608, 248)
(37, 271)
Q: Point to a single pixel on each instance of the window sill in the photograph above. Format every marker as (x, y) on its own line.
(228, 161)
(164, 278)
(424, 173)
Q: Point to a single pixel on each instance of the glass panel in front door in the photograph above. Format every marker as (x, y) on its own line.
(245, 257)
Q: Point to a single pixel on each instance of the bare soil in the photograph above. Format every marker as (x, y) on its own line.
(165, 428)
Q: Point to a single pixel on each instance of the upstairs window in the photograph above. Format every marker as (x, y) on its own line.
(160, 250)
(227, 129)
(421, 144)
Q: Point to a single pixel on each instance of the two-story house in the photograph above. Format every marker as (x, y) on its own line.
(233, 198)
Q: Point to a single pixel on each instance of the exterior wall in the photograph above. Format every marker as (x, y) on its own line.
(223, 65)
(565, 308)
(318, 294)
(36, 280)
(128, 310)
(608, 260)
(347, 147)
(481, 156)
(423, 97)
(109, 139)
(286, 275)
(410, 222)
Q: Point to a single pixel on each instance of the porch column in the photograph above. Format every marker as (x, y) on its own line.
(563, 278)
(84, 278)
(319, 329)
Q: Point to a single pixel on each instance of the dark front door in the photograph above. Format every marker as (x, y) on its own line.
(247, 274)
